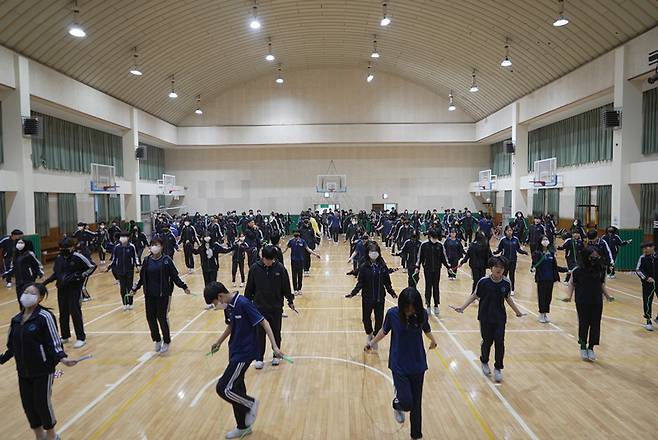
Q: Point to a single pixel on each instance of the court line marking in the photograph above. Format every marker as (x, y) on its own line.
(575, 311)
(196, 399)
(145, 358)
(215, 332)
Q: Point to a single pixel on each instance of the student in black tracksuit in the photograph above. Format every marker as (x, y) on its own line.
(114, 232)
(588, 281)
(209, 256)
(215, 231)
(373, 283)
(169, 242)
(123, 264)
(544, 265)
(431, 257)
(409, 255)
(24, 267)
(7, 246)
(84, 237)
(158, 276)
(647, 270)
(35, 345)
(614, 243)
(102, 242)
(535, 231)
(189, 238)
(509, 246)
(454, 252)
(239, 249)
(70, 270)
(602, 247)
(468, 223)
(268, 284)
(572, 247)
(477, 255)
(298, 249)
(139, 240)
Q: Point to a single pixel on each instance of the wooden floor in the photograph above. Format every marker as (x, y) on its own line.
(334, 390)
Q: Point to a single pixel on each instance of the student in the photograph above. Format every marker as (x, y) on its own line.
(519, 226)
(614, 242)
(454, 252)
(70, 270)
(373, 282)
(158, 276)
(35, 345)
(139, 240)
(298, 248)
(85, 251)
(485, 224)
(409, 255)
(239, 249)
(535, 231)
(306, 232)
(588, 281)
(603, 249)
(209, 256)
(573, 246)
(493, 291)
(359, 255)
(7, 247)
(477, 255)
(509, 246)
(102, 241)
(647, 270)
(268, 284)
(243, 321)
(189, 238)
(544, 265)
(123, 264)
(24, 267)
(169, 242)
(407, 359)
(114, 232)
(431, 257)
(468, 222)
(84, 237)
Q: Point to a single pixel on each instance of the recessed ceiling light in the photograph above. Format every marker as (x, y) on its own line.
(385, 21)
(561, 19)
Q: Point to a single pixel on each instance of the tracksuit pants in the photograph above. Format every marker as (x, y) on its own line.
(453, 262)
(297, 275)
(273, 316)
(493, 333)
(36, 393)
(157, 313)
(189, 255)
(589, 324)
(544, 295)
(209, 276)
(511, 272)
(367, 310)
(432, 288)
(125, 285)
(232, 389)
(234, 269)
(477, 273)
(409, 398)
(648, 292)
(68, 301)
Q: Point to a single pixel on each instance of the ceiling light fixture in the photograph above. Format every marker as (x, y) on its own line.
(135, 70)
(269, 56)
(370, 76)
(75, 29)
(506, 62)
(375, 52)
(451, 105)
(172, 93)
(474, 87)
(385, 21)
(279, 76)
(198, 110)
(561, 20)
(254, 23)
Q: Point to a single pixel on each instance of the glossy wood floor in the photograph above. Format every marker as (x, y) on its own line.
(334, 390)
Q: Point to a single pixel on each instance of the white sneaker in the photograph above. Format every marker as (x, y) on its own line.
(546, 319)
(65, 341)
(370, 338)
(234, 284)
(189, 270)
(241, 284)
(498, 375)
(485, 369)
(648, 326)
(8, 285)
(238, 433)
(258, 365)
(276, 361)
(125, 307)
(158, 346)
(429, 311)
(512, 293)
(436, 310)
(399, 416)
(404, 270)
(102, 261)
(130, 307)
(591, 355)
(583, 354)
(79, 344)
(541, 318)
(375, 346)
(209, 306)
(164, 348)
(250, 417)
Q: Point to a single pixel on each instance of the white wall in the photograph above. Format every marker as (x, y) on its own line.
(284, 179)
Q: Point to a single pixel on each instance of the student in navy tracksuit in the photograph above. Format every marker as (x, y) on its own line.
(139, 240)
(169, 242)
(123, 264)
(493, 291)
(509, 246)
(189, 238)
(242, 320)
(385, 229)
(477, 255)
(407, 359)
(467, 223)
(647, 270)
(239, 249)
(7, 246)
(431, 257)
(24, 267)
(614, 243)
(373, 283)
(298, 249)
(158, 276)
(573, 246)
(544, 265)
(485, 224)
(209, 257)
(454, 252)
(409, 255)
(535, 231)
(359, 255)
(35, 345)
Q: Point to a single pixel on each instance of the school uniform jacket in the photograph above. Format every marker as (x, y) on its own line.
(572, 250)
(647, 267)
(432, 256)
(168, 276)
(510, 247)
(614, 243)
(409, 252)
(209, 253)
(477, 256)
(188, 235)
(71, 270)
(124, 259)
(268, 286)
(373, 282)
(453, 248)
(25, 268)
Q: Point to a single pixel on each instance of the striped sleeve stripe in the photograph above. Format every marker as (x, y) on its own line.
(477, 286)
(57, 342)
(638, 271)
(84, 259)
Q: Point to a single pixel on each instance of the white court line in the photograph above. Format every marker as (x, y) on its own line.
(321, 358)
(575, 311)
(145, 358)
(215, 332)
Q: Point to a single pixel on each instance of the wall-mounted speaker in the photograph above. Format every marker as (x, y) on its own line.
(611, 119)
(31, 127)
(510, 148)
(140, 153)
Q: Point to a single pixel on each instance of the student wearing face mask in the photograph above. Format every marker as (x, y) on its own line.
(169, 242)
(84, 237)
(298, 249)
(123, 264)
(360, 253)
(573, 247)
(69, 271)
(407, 359)
(24, 267)
(189, 238)
(535, 231)
(7, 246)
(468, 223)
(209, 256)
(239, 249)
(509, 246)
(614, 242)
(37, 349)
(373, 283)
(102, 241)
(409, 256)
(139, 240)
(519, 226)
(544, 265)
(588, 282)
(114, 232)
(431, 257)
(477, 255)
(454, 252)
(307, 234)
(158, 276)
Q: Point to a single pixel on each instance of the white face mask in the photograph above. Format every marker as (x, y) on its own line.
(156, 250)
(102, 226)
(187, 223)
(206, 239)
(545, 243)
(80, 228)
(373, 255)
(123, 240)
(28, 300)
(20, 245)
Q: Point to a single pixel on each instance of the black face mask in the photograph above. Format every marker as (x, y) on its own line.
(65, 252)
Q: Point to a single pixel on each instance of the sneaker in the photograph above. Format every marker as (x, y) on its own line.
(209, 306)
(284, 314)
(125, 307)
(583, 354)
(164, 348)
(259, 365)
(241, 284)
(370, 338)
(8, 285)
(65, 341)
(399, 416)
(276, 361)
(79, 344)
(234, 284)
(498, 375)
(158, 346)
(190, 270)
(250, 417)
(86, 298)
(542, 318)
(512, 293)
(485, 369)
(130, 307)
(375, 346)
(429, 311)
(238, 433)
(612, 276)
(546, 319)
(102, 261)
(591, 355)
(436, 310)
(404, 270)
(648, 326)
(299, 293)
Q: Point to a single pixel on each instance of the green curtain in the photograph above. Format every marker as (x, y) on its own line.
(3, 214)
(114, 207)
(2, 153)
(154, 166)
(576, 140)
(67, 213)
(553, 202)
(41, 220)
(650, 121)
(508, 199)
(101, 208)
(494, 199)
(161, 202)
(604, 200)
(66, 146)
(648, 206)
(146, 203)
(583, 194)
(501, 162)
(538, 203)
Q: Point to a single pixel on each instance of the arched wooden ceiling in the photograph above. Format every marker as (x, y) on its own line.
(210, 47)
